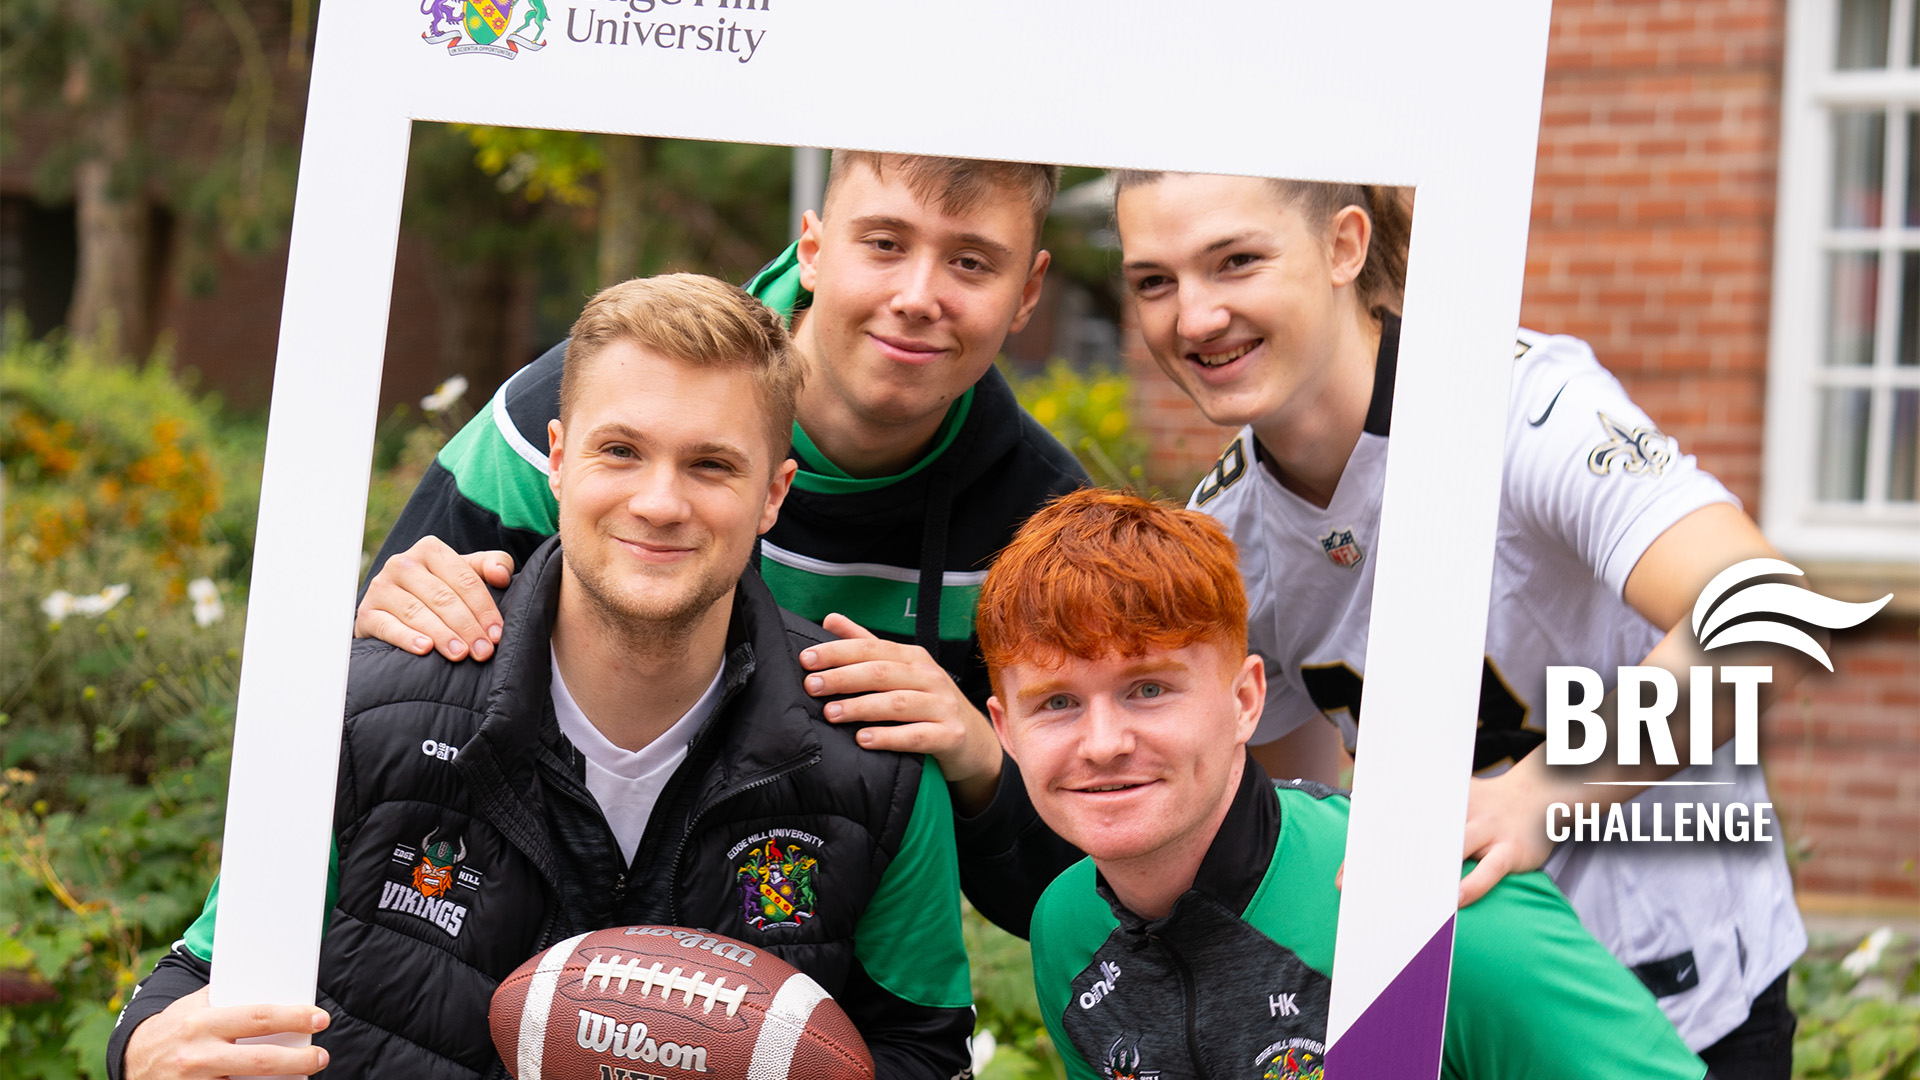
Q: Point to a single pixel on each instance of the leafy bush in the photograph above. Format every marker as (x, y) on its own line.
(1087, 412)
(1859, 1013)
(129, 501)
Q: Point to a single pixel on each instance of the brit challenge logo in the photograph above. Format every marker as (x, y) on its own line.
(776, 880)
(484, 26)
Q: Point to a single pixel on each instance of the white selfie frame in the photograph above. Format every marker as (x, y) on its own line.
(1438, 96)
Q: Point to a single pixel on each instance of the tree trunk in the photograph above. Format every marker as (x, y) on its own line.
(622, 223)
(111, 298)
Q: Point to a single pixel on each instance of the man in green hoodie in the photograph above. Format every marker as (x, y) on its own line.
(912, 452)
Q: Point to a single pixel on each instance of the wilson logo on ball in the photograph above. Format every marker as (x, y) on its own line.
(605, 1035)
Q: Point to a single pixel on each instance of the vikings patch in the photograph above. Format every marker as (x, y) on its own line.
(774, 872)
(1342, 548)
(1293, 1059)
(430, 883)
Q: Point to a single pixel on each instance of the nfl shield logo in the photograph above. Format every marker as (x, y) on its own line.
(1340, 547)
(487, 20)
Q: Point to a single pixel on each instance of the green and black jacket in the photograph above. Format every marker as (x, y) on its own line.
(1234, 982)
(841, 544)
(464, 765)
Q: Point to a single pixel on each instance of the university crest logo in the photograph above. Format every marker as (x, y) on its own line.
(480, 26)
(1341, 547)
(776, 879)
(1301, 1062)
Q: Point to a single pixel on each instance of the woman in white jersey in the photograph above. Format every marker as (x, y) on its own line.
(1274, 305)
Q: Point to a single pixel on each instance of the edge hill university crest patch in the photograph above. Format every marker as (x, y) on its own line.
(775, 878)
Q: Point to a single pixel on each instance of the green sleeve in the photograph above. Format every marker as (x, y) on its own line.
(1533, 994)
(1070, 924)
(495, 476)
(908, 939)
(199, 936)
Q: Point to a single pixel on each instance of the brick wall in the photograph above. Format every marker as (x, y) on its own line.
(1843, 764)
(1652, 238)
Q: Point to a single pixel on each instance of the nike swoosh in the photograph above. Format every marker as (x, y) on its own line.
(1684, 972)
(1549, 410)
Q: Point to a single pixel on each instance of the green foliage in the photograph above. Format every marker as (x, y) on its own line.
(117, 717)
(1864, 1026)
(1004, 999)
(1087, 412)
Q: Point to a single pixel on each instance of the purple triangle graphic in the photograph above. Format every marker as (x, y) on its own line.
(1399, 1037)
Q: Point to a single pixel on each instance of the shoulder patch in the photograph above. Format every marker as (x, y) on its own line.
(1230, 467)
(1635, 451)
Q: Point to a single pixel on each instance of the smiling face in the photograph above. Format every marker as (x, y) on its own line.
(1240, 301)
(911, 302)
(1132, 759)
(665, 474)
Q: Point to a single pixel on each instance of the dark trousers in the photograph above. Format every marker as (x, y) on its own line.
(1761, 1048)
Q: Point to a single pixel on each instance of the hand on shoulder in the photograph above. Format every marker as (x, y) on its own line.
(430, 597)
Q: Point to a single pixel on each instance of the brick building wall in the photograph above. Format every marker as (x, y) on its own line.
(1652, 238)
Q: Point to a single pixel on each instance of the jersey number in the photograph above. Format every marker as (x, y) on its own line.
(1231, 466)
(1502, 735)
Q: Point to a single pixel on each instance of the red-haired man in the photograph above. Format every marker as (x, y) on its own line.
(1198, 939)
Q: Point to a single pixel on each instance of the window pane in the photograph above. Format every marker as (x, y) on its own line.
(1843, 445)
(1863, 33)
(1909, 352)
(1859, 167)
(1906, 447)
(1913, 174)
(1852, 300)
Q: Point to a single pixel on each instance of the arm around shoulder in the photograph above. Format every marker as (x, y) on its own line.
(1533, 994)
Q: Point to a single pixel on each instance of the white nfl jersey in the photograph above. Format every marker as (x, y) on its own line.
(1588, 484)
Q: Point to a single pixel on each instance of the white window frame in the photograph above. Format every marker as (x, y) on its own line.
(1802, 526)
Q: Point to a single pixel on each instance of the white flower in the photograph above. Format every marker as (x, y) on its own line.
(207, 608)
(1865, 955)
(61, 604)
(445, 394)
(984, 1044)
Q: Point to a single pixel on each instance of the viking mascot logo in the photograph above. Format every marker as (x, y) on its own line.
(433, 874)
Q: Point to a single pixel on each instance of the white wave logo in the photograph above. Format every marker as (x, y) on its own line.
(1717, 629)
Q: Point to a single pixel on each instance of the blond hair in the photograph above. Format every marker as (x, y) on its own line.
(698, 321)
(957, 185)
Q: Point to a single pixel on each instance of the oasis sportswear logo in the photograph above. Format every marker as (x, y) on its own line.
(1109, 975)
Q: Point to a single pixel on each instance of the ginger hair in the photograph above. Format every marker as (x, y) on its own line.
(1099, 573)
